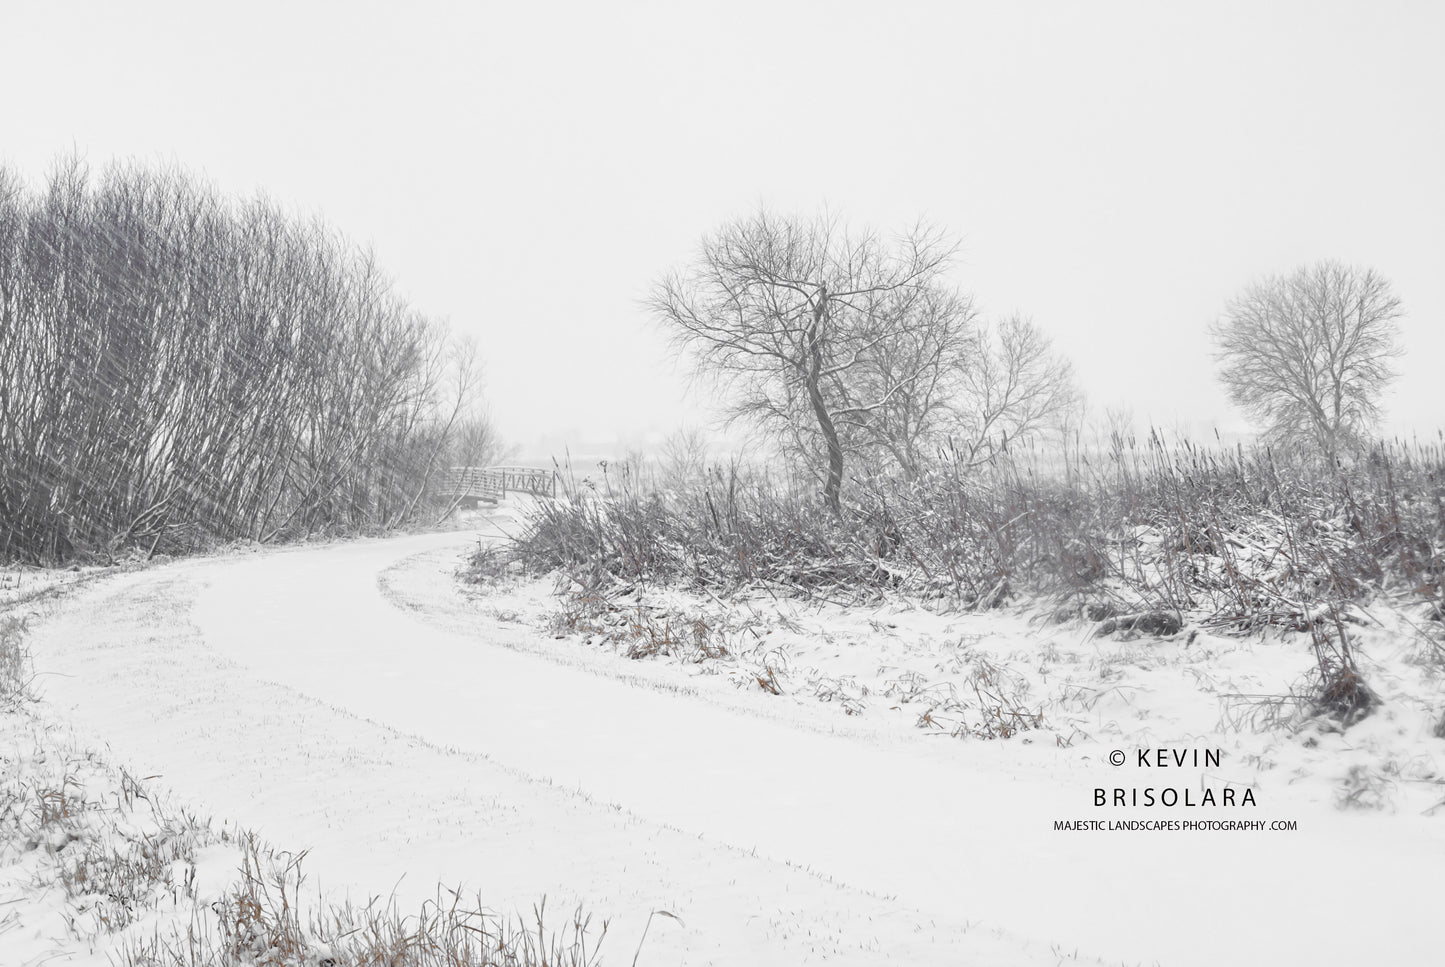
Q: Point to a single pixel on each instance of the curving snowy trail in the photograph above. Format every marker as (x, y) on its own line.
(344, 699)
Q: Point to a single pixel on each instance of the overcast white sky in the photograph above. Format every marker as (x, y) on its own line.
(1116, 171)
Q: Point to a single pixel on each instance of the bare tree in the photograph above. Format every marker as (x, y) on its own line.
(1014, 386)
(795, 316)
(478, 444)
(684, 457)
(1307, 355)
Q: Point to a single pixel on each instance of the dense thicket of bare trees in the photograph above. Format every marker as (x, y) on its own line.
(172, 363)
(846, 346)
(1307, 355)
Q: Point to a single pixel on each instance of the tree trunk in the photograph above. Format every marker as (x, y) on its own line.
(834, 485)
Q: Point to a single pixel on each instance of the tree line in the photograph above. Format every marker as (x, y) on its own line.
(854, 354)
(177, 366)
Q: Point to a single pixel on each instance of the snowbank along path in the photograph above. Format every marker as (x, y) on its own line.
(346, 700)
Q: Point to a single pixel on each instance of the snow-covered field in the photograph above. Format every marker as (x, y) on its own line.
(356, 701)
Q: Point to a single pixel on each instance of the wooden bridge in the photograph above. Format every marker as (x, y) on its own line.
(468, 485)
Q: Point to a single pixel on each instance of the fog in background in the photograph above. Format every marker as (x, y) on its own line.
(1115, 171)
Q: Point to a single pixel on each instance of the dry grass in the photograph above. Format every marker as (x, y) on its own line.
(1144, 540)
(991, 702)
(94, 836)
(1230, 535)
(267, 919)
(14, 663)
(123, 863)
(638, 630)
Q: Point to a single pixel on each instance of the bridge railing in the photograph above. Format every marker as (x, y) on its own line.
(494, 483)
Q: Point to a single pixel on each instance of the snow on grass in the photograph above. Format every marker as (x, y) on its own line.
(97, 867)
(436, 732)
(89, 858)
(19, 583)
(900, 666)
(402, 750)
(90, 861)
(1019, 674)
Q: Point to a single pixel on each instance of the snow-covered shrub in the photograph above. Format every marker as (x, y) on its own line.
(1228, 537)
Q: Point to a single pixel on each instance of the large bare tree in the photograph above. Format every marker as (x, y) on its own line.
(816, 330)
(1307, 355)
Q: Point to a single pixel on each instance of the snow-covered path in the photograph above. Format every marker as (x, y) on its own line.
(343, 699)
